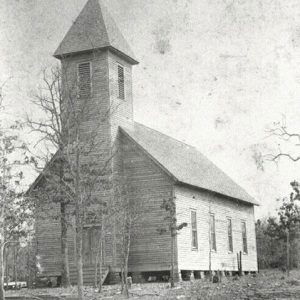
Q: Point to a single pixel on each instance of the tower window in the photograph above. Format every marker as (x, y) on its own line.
(84, 80)
(121, 82)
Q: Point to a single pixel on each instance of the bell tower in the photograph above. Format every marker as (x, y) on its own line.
(97, 66)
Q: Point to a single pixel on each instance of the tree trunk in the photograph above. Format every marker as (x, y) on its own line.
(127, 249)
(288, 252)
(79, 263)
(2, 294)
(65, 273)
(101, 254)
(6, 264)
(15, 267)
(96, 269)
(209, 254)
(172, 258)
(241, 264)
(122, 280)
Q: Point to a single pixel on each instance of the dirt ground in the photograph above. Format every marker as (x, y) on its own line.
(268, 284)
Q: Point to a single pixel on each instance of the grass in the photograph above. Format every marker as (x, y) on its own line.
(268, 284)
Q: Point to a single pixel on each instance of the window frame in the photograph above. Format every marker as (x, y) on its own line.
(194, 229)
(78, 80)
(119, 65)
(229, 235)
(213, 238)
(244, 237)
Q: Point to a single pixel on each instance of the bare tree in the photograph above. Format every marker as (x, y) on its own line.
(48, 101)
(102, 213)
(289, 216)
(173, 228)
(281, 133)
(129, 214)
(11, 206)
(74, 172)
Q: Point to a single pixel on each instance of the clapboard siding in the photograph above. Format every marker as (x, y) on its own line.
(132, 168)
(148, 185)
(103, 113)
(96, 117)
(205, 203)
(48, 241)
(122, 109)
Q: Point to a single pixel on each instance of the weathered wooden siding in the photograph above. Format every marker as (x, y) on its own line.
(48, 241)
(96, 109)
(148, 186)
(103, 113)
(204, 203)
(122, 109)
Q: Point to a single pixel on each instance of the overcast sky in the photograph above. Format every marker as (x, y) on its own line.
(212, 73)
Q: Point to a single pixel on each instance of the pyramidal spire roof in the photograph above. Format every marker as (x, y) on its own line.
(94, 29)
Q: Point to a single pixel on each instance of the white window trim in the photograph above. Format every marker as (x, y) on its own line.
(230, 251)
(194, 248)
(244, 221)
(210, 231)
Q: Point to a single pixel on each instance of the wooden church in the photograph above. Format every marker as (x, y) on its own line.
(218, 212)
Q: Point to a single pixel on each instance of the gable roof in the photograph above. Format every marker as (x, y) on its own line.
(93, 29)
(185, 163)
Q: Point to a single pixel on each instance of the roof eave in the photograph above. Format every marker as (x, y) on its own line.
(126, 57)
(41, 175)
(254, 202)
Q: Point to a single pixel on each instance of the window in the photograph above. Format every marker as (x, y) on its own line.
(121, 82)
(244, 236)
(229, 228)
(212, 227)
(84, 80)
(194, 229)
(90, 244)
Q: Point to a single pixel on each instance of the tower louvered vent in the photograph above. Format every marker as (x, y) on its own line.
(84, 80)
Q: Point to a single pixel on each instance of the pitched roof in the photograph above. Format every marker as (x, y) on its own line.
(185, 163)
(93, 29)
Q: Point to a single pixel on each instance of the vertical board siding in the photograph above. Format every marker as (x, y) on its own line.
(205, 203)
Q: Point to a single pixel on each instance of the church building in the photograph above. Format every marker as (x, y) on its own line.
(218, 212)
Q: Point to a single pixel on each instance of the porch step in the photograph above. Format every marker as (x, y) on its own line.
(88, 274)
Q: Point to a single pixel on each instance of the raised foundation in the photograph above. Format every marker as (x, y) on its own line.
(114, 278)
(177, 276)
(137, 277)
(192, 276)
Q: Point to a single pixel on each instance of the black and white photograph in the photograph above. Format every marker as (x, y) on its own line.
(149, 149)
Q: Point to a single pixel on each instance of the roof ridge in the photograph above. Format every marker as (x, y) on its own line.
(175, 139)
(101, 5)
(209, 161)
(95, 28)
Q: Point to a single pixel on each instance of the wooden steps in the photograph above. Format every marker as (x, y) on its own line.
(88, 274)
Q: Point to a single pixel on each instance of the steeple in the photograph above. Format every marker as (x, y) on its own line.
(95, 29)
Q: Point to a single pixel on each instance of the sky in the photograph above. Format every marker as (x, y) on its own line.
(215, 74)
